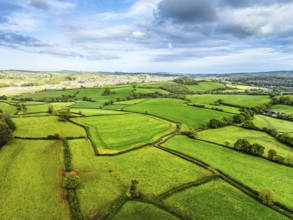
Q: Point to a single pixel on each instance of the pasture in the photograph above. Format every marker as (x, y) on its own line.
(250, 170)
(242, 100)
(104, 179)
(205, 86)
(31, 188)
(205, 201)
(40, 127)
(229, 135)
(7, 108)
(177, 111)
(283, 108)
(114, 133)
(281, 125)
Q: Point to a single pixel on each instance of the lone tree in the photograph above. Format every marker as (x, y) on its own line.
(267, 196)
(50, 109)
(272, 154)
(64, 114)
(71, 181)
(5, 134)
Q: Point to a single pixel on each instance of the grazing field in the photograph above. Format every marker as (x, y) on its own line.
(281, 125)
(283, 108)
(242, 100)
(142, 211)
(44, 107)
(176, 110)
(115, 133)
(92, 112)
(43, 126)
(51, 94)
(6, 108)
(104, 179)
(205, 201)
(250, 170)
(131, 102)
(97, 93)
(88, 105)
(149, 90)
(229, 135)
(205, 86)
(31, 186)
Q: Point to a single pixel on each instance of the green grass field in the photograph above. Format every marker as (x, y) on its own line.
(252, 171)
(31, 186)
(88, 105)
(283, 108)
(44, 107)
(242, 100)
(6, 108)
(137, 210)
(149, 90)
(50, 94)
(205, 201)
(281, 125)
(44, 126)
(230, 134)
(175, 110)
(115, 133)
(104, 179)
(92, 112)
(205, 86)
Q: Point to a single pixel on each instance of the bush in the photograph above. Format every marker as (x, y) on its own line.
(74, 205)
(272, 154)
(67, 156)
(267, 196)
(71, 181)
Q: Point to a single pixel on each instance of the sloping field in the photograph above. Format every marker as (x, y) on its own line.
(205, 86)
(205, 201)
(120, 132)
(242, 100)
(230, 134)
(44, 107)
(31, 186)
(92, 112)
(44, 126)
(143, 211)
(104, 179)
(281, 125)
(6, 108)
(283, 108)
(51, 94)
(250, 170)
(175, 110)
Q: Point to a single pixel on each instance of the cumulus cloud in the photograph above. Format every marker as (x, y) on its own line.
(15, 40)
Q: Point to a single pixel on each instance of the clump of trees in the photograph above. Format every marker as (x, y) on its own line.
(64, 114)
(71, 180)
(244, 146)
(185, 81)
(267, 196)
(286, 100)
(190, 132)
(7, 126)
(217, 123)
(133, 191)
(107, 91)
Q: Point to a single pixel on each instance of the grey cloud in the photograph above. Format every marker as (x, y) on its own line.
(16, 40)
(40, 4)
(250, 3)
(186, 10)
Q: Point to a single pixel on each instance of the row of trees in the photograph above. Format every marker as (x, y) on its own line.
(244, 146)
(7, 126)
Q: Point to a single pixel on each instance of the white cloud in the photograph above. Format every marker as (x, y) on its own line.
(170, 45)
(138, 34)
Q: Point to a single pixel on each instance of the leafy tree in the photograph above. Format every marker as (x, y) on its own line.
(71, 181)
(272, 154)
(5, 133)
(5, 118)
(241, 144)
(267, 196)
(50, 109)
(238, 118)
(257, 149)
(134, 193)
(64, 114)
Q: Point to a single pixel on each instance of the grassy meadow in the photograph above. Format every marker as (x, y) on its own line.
(205, 86)
(115, 133)
(31, 188)
(283, 108)
(252, 171)
(177, 111)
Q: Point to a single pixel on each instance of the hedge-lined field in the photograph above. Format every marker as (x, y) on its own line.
(252, 171)
(51, 94)
(242, 100)
(205, 86)
(283, 108)
(205, 201)
(120, 132)
(104, 179)
(6, 108)
(91, 112)
(43, 126)
(230, 135)
(31, 186)
(176, 110)
(44, 107)
(281, 125)
(142, 211)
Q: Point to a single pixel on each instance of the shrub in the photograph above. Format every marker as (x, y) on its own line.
(74, 206)
(272, 154)
(267, 196)
(71, 181)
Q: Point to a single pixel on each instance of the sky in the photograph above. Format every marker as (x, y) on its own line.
(178, 36)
